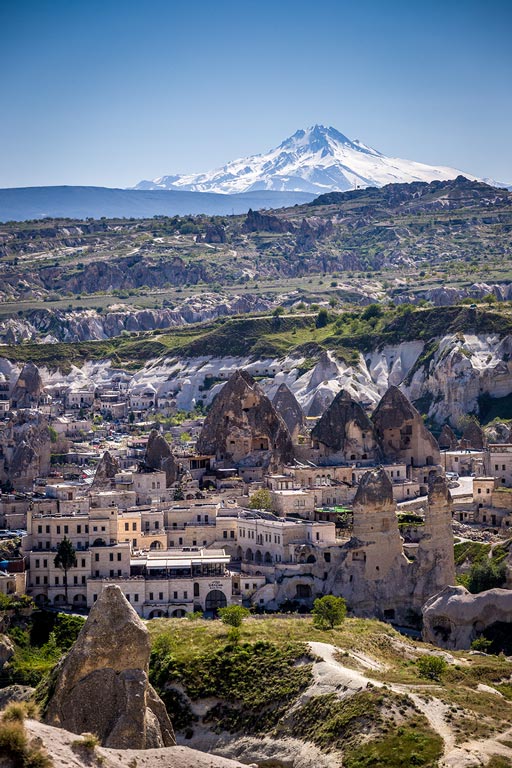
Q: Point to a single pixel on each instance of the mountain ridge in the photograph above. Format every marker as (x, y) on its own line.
(317, 159)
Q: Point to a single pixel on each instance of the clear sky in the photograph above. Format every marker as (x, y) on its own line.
(109, 92)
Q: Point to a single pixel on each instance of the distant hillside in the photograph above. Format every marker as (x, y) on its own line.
(21, 204)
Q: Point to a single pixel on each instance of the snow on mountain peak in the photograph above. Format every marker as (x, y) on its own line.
(317, 159)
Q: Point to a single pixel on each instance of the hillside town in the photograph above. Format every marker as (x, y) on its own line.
(254, 503)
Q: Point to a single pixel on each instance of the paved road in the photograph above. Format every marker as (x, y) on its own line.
(465, 487)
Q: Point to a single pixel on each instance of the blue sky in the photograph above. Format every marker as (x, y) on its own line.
(108, 92)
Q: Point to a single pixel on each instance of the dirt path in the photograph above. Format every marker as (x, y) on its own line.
(330, 674)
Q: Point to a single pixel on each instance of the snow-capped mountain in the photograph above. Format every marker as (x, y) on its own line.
(314, 160)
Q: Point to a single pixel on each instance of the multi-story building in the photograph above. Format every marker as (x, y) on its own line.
(119, 547)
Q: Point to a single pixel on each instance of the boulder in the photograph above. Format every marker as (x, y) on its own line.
(453, 618)
(15, 693)
(102, 685)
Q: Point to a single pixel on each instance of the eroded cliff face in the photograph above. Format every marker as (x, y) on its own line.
(444, 379)
(53, 325)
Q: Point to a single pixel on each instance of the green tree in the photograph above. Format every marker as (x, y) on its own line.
(486, 574)
(233, 615)
(261, 499)
(329, 611)
(431, 667)
(65, 559)
(372, 311)
(322, 318)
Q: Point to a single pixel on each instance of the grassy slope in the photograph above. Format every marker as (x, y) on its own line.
(375, 727)
(268, 336)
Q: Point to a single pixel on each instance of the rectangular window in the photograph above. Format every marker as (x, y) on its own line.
(38, 580)
(66, 529)
(83, 562)
(79, 529)
(224, 534)
(96, 557)
(58, 529)
(128, 598)
(37, 563)
(185, 595)
(119, 556)
(175, 595)
(56, 581)
(47, 529)
(39, 528)
(83, 579)
(160, 595)
(111, 556)
(136, 598)
(127, 526)
(75, 579)
(134, 526)
(45, 563)
(150, 595)
(111, 572)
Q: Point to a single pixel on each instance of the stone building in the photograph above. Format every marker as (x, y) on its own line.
(345, 432)
(401, 432)
(243, 427)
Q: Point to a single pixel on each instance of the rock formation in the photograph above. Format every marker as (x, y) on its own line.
(159, 456)
(29, 389)
(454, 617)
(322, 384)
(6, 649)
(401, 431)
(447, 439)
(242, 424)
(346, 430)
(434, 566)
(265, 222)
(107, 469)
(25, 449)
(288, 408)
(102, 685)
(473, 437)
(372, 572)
